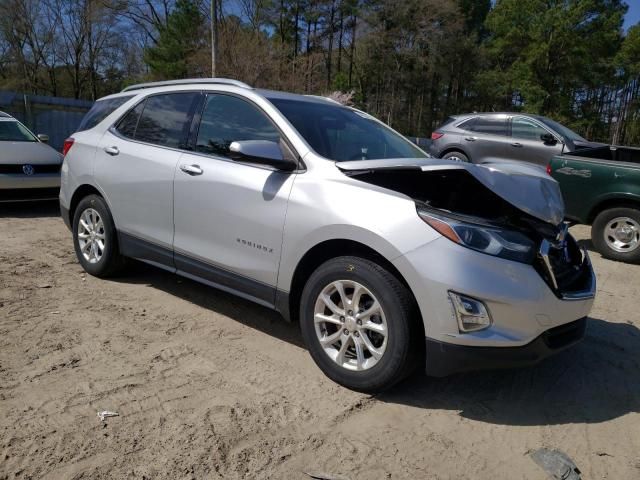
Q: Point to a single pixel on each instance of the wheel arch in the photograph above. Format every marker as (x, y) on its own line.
(613, 202)
(81, 192)
(325, 250)
(455, 148)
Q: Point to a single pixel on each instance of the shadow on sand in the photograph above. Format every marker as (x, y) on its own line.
(595, 381)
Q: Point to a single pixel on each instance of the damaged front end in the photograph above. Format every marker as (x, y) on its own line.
(511, 211)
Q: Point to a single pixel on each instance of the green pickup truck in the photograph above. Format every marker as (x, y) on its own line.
(601, 188)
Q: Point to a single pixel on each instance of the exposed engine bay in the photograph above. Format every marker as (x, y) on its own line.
(515, 198)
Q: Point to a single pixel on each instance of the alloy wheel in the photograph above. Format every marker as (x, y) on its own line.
(91, 235)
(350, 325)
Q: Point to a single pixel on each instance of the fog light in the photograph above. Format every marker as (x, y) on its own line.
(472, 314)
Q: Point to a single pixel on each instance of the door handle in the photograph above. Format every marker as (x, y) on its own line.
(191, 169)
(516, 144)
(113, 151)
(470, 139)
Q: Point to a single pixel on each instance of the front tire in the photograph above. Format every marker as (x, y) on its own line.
(95, 238)
(616, 234)
(360, 324)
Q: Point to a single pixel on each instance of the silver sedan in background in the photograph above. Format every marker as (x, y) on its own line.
(29, 168)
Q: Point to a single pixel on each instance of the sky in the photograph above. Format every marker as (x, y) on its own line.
(633, 14)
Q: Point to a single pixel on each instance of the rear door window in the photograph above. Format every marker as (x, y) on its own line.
(100, 110)
(489, 125)
(165, 119)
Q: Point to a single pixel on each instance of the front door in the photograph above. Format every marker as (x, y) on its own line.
(527, 144)
(229, 216)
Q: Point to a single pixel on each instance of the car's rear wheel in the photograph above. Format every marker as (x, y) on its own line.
(95, 238)
(360, 324)
(456, 156)
(616, 234)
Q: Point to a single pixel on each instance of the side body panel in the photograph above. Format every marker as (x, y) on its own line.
(587, 183)
(138, 185)
(325, 204)
(231, 216)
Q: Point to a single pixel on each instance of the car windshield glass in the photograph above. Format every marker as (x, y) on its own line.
(340, 133)
(562, 130)
(12, 131)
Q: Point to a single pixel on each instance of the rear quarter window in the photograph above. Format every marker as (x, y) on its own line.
(100, 110)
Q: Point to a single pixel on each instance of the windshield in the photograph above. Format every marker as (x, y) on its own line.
(562, 130)
(13, 131)
(340, 133)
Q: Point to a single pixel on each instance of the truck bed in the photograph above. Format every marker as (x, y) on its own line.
(608, 153)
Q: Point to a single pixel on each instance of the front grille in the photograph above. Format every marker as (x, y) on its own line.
(565, 335)
(37, 169)
(16, 194)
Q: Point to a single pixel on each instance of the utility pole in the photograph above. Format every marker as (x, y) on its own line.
(214, 36)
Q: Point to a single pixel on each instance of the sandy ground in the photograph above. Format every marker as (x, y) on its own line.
(211, 386)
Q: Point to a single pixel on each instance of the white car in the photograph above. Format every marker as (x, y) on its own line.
(29, 168)
(389, 259)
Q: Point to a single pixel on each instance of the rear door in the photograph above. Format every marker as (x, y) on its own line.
(526, 143)
(136, 162)
(487, 138)
(229, 216)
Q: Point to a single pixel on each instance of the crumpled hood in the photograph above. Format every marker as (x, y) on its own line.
(526, 187)
(34, 153)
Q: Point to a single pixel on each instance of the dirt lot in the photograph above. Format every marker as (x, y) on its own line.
(210, 386)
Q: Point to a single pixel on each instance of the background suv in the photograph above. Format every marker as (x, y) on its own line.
(389, 259)
(499, 137)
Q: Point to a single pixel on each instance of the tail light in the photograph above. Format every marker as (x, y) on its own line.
(549, 168)
(66, 146)
(436, 135)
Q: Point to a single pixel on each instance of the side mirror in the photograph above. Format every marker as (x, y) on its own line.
(262, 152)
(44, 138)
(548, 138)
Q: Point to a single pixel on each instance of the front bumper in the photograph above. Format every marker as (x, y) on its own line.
(446, 358)
(17, 187)
(523, 307)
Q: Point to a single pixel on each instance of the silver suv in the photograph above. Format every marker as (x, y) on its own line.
(504, 137)
(389, 259)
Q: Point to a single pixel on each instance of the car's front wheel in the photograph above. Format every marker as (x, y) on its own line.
(360, 324)
(95, 238)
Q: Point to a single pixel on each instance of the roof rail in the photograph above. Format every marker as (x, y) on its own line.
(188, 81)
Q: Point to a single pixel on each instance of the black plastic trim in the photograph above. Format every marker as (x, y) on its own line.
(446, 358)
(246, 286)
(132, 246)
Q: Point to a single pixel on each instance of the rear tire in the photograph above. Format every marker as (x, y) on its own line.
(380, 346)
(95, 238)
(456, 157)
(616, 234)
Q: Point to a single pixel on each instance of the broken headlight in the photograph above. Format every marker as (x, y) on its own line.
(491, 240)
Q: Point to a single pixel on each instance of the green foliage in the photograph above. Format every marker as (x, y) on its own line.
(182, 36)
(411, 63)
